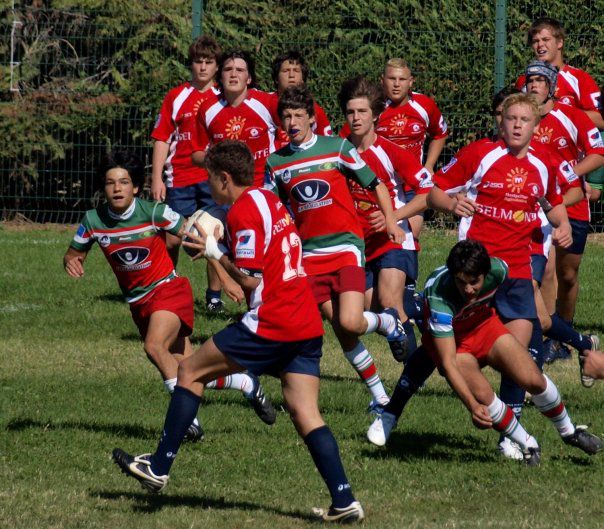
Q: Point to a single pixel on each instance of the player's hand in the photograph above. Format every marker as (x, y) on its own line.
(196, 242)
(593, 364)
(465, 206)
(377, 221)
(158, 190)
(481, 417)
(233, 290)
(562, 235)
(395, 233)
(74, 266)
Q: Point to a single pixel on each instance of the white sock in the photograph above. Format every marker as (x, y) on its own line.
(238, 381)
(382, 322)
(550, 404)
(505, 421)
(362, 361)
(170, 384)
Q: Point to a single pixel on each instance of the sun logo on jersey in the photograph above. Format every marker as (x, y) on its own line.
(544, 134)
(398, 124)
(235, 127)
(516, 178)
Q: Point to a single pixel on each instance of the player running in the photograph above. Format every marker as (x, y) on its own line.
(311, 174)
(131, 235)
(281, 333)
(389, 265)
(463, 334)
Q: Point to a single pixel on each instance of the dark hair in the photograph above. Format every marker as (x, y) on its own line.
(238, 54)
(469, 257)
(205, 47)
(289, 56)
(296, 97)
(233, 157)
(540, 24)
(358, 87)
(126, 160)
(500, 97)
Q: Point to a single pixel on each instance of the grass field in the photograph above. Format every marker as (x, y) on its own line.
(75, 383)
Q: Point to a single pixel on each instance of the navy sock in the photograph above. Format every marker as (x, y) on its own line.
(535, 346)
(411, 341)
(412, 303)
(212, 294)
(562, 331)
(324, 450)
(417, 370)
(181, 412)
(512, 394)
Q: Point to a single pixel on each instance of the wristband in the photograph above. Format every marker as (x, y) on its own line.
(213, 249)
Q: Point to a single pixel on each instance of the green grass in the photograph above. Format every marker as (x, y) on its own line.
(75, 383)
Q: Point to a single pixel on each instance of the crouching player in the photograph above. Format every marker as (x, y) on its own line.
(463, 334)
(131, 234)
(281, 334)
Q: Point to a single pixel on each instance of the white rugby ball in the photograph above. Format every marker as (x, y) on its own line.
(208, 219)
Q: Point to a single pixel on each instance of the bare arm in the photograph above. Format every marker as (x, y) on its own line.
(231, 288)
(161, 150)
(562, 233)
(572, 196)
(447, 353)
(382, 197)
(590, 163)
(198, 158)
(596, 117)
(73, 262)
(417, 204)
(434, 150)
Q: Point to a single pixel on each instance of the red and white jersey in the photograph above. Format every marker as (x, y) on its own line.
(575, 87)
(175, 125)
(394, 167)
(571, 133)
(264, 243)
(253, 122)
(321, 126)
(506, 190)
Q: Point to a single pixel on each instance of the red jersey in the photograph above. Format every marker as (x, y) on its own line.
(175, 125)
(506, 190)
(572, 134)
(394, 167)
(409, 125)
(252, 122)
(264, 243)
(575, 87)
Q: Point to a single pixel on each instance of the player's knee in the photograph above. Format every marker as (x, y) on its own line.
(484, 395)
(352, 324)
(536, 384)
(154, 350)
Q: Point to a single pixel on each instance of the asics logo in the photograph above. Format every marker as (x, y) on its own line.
(310, 190)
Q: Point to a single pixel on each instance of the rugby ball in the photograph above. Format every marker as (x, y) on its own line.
(208, 219)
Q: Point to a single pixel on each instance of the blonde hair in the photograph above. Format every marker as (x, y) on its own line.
(528, 100)
(397, 62)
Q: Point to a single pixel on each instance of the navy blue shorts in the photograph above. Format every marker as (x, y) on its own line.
(580, 230)
(261, 356)
(515, 300)
(404, 260)
(538, 264)
(187, 200)
(409, 195)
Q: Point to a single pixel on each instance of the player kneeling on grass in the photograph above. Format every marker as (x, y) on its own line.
(131, 234)
(281, 334)
(463, 334)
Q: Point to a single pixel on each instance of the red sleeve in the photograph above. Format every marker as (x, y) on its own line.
(589, 139)
(200, 138)
(437, 128)
(164, 125)
(520, 82)
(323, 125)
(344, 131)
(589, 92)
(453, 176)
(246, 235)
(410, 171)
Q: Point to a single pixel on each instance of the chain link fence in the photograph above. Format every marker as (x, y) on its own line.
(79, 79)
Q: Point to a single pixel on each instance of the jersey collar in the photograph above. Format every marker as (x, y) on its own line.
(304, 146)
(126, 214)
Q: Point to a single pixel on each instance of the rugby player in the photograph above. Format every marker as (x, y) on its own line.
(311, 174)
(281, 333)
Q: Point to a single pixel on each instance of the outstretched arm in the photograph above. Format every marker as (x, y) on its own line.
(73, 262)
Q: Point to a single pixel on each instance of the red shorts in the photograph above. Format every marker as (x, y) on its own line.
(174, 296)
(346, 279)
(478, 341)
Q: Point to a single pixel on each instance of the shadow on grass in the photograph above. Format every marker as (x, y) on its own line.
(147, 503)
(437, 447)
(111, 298)
(120, 430)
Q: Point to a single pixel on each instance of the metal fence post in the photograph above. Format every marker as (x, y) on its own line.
(500, 41)
(197, 10)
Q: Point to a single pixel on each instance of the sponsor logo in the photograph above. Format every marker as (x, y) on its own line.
(449, 165)
(507, 214)
(183, 136)
(595, 139)
(170, 214)
(310, 190)
(535, 191)
(234, 127)
(492, 185)
(286, 176)
(218, 136)
(565, 100)
(131, 258)
(416, 128)
(568, 172)
(327, 166)
(398, 124)
(254, 133)
(544, 134)
(562, 143)
(443, 124)
(121, 239)
(281, 224)
(187, 115)
(81, 231)
(261, 154)
(425, 180)
(245, 247)
(363, 205)
(516, 179)
(105, 241)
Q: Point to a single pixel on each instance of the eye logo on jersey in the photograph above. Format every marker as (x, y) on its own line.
(398, 124)
(245, 247)
(516, 179)
(544, 135)
(310, 194)
(131, 258)
(234, 127)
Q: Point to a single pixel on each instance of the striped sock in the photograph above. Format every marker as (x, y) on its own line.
(382, 322)
(505, 422)
(550, 404)
(362, 361)
(239, 381)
